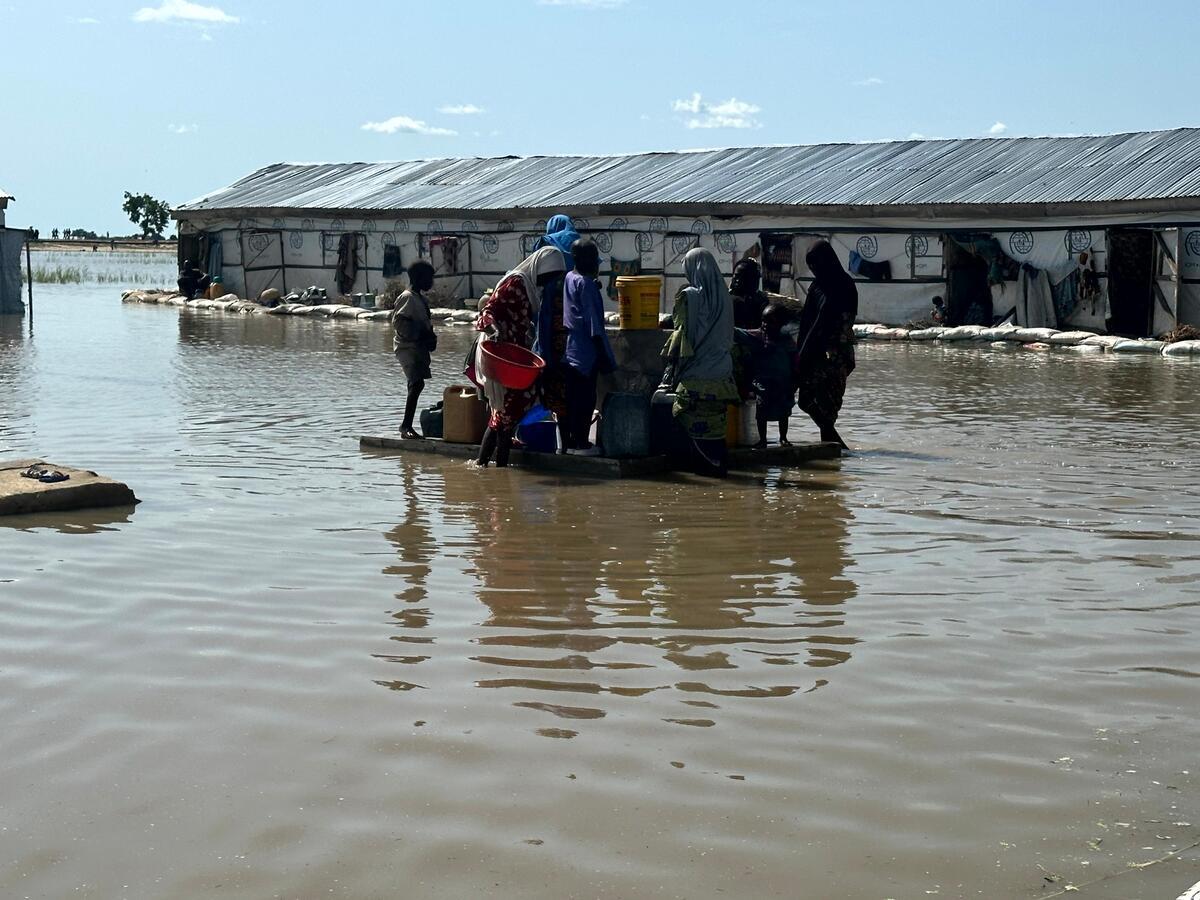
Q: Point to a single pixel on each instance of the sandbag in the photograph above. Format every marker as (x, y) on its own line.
(1131, 346)
(999, 333)
(1182, 348)
(962, 333)
(1031, 335)
(926, 334)
(1107, 341)
(1070, 338)
(346, 312)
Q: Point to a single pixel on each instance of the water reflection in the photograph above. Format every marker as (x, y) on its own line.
(696, 592)
(16, 364)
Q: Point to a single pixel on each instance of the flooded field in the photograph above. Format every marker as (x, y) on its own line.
(961, 663)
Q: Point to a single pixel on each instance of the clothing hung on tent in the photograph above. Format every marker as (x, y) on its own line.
(347, 263)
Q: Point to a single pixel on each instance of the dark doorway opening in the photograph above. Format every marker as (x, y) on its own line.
(777, 259)
(1130, 281)
(968, 295)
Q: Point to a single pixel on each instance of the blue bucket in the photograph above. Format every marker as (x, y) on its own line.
(540, 437)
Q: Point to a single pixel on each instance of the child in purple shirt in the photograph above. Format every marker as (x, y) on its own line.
(588, 352)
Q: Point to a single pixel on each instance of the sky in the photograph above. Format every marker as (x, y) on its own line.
(177, 98)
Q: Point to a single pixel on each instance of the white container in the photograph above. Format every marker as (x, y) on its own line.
(748, 430)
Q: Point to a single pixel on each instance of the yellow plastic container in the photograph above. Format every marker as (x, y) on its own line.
(639, 298)
(733, 425)
(464, 415)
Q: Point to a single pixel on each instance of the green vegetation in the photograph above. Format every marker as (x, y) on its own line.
(67, 274)
(146, 213)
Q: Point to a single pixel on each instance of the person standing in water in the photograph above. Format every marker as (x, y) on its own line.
(826, 340)
(413, 340)
(508, 315)
(588, 352)
(700, 360)
(749, 301)
(560, 233)
(774, 378)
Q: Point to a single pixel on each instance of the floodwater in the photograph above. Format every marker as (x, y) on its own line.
(961, 663)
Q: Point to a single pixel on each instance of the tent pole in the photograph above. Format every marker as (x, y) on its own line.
(29, 279)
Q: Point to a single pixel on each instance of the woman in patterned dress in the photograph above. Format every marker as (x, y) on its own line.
(700, 361)
(509, 315)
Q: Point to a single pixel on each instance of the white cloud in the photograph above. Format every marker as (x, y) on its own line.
(916, 136)
(585, 4)
(998, 128)
(183, 129)
(868, 82)
(461, 109)
(85, 20)
(407, 125)
(183, 11)
(731, 113)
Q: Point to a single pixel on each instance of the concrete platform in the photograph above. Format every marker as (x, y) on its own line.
(83, 490)
(741, 459)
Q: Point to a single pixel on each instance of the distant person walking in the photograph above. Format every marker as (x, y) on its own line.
(508, 315)
(414, 340)
(192, 280)
(700, 360)
(826, 340)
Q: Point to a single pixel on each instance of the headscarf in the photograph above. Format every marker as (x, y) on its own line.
(560, 233)
(832, 298)
(540, 262)
(709, 318)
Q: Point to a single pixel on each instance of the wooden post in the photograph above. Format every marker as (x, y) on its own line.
(29, 278)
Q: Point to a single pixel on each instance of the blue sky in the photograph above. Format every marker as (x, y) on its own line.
(177, 98)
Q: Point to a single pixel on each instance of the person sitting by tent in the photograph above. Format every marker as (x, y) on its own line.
(560, 233)
(699, 358)
(588, 352)
(192, 281)
(826, 340)
(508, 315)
(748, 299)
(413, 340)
(774, 368)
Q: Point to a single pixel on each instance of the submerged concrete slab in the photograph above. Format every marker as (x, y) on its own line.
(83, 490)
(742, 459)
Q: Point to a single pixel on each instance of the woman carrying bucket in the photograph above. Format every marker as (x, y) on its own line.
(507, 316)
(700, 361)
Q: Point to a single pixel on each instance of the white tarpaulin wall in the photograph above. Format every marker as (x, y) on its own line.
(481, 252)
(1189, 273)
(10, 272)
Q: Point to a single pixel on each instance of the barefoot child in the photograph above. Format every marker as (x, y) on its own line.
(773, 369)
(413, 339)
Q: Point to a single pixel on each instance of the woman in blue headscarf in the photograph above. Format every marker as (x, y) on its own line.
(560, 233)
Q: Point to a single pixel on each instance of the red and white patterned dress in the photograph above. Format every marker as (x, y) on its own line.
(509, 312)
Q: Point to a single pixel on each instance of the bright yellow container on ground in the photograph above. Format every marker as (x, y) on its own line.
(639, 299)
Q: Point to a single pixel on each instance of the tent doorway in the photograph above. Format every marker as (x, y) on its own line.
(776, 260)
(1130, 281)
(968, 295)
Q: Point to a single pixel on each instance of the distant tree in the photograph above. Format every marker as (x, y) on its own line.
(66, 233)
(146, 213)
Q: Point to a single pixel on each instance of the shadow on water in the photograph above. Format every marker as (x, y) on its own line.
(709, 591)
(83, 521)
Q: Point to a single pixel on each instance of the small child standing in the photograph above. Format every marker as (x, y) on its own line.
(938, 313)
(774, 383)
(413, 340)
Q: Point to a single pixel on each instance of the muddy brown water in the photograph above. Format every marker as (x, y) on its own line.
(961, 663)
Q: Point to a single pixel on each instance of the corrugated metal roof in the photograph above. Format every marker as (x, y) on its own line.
(1140, 166)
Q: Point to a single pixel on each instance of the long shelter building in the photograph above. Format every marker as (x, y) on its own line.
(1099, 232)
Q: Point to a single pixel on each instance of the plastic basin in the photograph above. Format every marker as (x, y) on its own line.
(510, 364)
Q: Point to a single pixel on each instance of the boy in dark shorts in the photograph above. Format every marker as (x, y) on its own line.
(413, 340)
